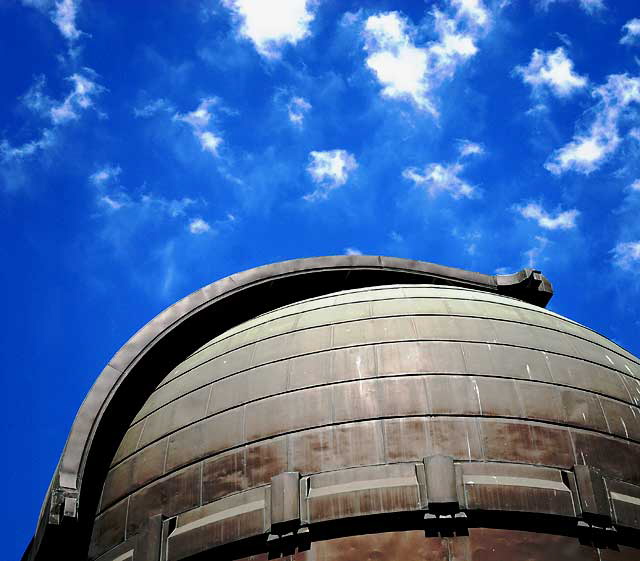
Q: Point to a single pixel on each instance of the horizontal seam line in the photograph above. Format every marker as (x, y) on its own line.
(405, 316)
(527, 421)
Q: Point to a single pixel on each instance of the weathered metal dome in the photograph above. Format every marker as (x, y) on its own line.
(445, 416)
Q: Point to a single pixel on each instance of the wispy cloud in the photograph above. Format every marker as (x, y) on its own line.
(12, 153)
(565, 220)
(588, 150)
(468, 148)
(272, 25)
(439, 178)
(81, 97)
(112, 196)
(105, 174)
(296, 109)
(407, 71)
(635, 186)
(151, 108)
(329, 170)
(631, 31)
(589, 6)
(534, 255)
(552, 70)
(199, 120)
(626, 255)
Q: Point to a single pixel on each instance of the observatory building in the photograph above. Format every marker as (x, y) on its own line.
(354, 408)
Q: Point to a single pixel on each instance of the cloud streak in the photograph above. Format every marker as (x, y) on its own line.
(439, 178)
(590, 149)
(561, 221)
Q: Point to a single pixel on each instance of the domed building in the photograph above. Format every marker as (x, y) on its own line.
(355, 408)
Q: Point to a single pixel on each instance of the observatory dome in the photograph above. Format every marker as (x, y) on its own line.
(446, 419)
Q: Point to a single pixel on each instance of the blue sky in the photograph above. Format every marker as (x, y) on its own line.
(149, 148)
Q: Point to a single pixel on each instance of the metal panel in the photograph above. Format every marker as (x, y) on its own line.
(288, 412)
(512, 487)
(175, 415)
(352, 364)
(441, 485)
(612, 456)
(455, 395)
(335, 447)
(109, 529)
(531, 443)
(133, 473)
(594, 499)
(223, 475)
(311, 370)
(625, 503)
(360, 491)
(285, 501)
(266, 459)
(420, 357)
(505, 361)
(205, 438)
(171, 495)
(235, 517)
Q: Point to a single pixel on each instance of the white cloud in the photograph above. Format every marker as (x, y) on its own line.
(589, 6)
(103, 175)
(533, 255)
(562, 221)
(553, 69)
(589, 149)
(626, 255)
(79, 99)
(352, 251)
(271, 25)
(209, 141)
(64, 17)
(329, 169)
(635, 186)
(199, 226)
(413, 73)
(468, 148)
(153, 107)
(439, 178)
(198, 120)
(297, 108)
(474, 10)
(631, 32)
(199, 117)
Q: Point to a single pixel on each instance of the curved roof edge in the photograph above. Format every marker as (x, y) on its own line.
(128, 378)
